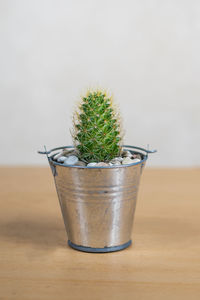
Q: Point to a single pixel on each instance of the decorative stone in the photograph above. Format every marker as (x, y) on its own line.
(69, 152)
(70, 160)
(136, 160)
(116, 163)
(57, 156)
(127, 160)
(119, 158)
(80, 163)
(137, 156)
(61, 159)
(92, 164)
(116, 159)
(102, 164)
(127, 154)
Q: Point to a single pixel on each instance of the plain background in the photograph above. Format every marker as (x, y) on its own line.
(147, 53)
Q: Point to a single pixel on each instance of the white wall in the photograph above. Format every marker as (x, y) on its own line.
(146, 52)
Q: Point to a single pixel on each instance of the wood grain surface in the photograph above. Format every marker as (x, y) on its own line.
(163, 262)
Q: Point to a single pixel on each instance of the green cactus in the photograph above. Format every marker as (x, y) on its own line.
(96, 132)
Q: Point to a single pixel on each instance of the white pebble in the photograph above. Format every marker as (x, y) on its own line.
(102, 164)
(57, 156)
(137, 156)
(61, 159)
(127, 154)
(70, 160)
(119, 158)
(136, 160)
(116, 163)
(69, 152)
(92, 164)
(127, 160)
(116, 159)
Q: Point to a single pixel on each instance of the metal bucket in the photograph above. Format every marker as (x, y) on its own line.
(98, 203)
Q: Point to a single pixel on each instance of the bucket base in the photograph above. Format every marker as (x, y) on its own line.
(99, 250)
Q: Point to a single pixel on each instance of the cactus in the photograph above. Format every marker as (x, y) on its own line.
(96, 132)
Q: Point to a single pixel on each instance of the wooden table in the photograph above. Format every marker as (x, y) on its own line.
(163, 262)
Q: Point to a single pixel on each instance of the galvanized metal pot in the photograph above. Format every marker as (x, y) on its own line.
(98, 203)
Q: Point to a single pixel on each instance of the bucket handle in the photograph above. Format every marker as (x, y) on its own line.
(54, 149)
(141, 149)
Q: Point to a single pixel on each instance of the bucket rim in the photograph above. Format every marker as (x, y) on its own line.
(97, 167)
(145, 157)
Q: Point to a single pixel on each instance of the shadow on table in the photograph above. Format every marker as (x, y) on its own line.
(50, 233)
(41, 233)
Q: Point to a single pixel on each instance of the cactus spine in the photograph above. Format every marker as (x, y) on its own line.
(96, 132)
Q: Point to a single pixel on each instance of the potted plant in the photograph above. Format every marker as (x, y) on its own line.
(97, 178)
